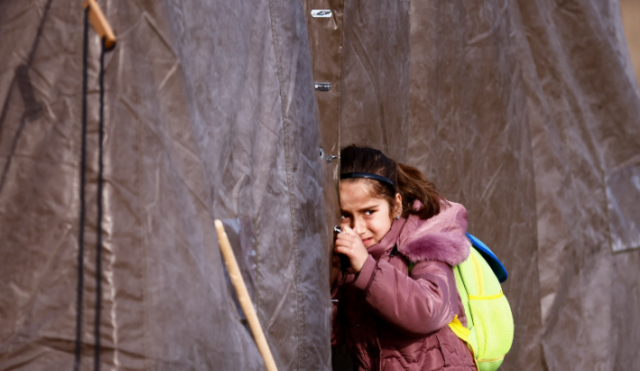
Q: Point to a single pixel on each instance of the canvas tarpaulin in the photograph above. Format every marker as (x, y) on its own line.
(527, 112)
(209, 113)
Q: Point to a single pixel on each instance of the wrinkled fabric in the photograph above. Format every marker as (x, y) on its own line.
(528, 113)
(209, 114)
(395, 320)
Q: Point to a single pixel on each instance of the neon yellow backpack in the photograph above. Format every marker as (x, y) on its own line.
(489, 331)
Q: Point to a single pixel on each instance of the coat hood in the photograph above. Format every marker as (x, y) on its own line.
(441, 238)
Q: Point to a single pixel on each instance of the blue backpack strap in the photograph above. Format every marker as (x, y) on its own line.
(491, 258)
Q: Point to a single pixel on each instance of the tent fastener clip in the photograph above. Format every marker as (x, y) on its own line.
(322, 86)
(330, 158)
(321, 13)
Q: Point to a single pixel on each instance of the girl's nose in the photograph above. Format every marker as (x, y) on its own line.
(358, 225)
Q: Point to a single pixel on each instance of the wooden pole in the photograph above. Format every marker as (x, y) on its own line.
(243, 297)
(100, 23)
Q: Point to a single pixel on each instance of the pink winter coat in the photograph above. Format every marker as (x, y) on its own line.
(393, 321)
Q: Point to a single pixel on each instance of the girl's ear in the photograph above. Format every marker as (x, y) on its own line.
(397, 206)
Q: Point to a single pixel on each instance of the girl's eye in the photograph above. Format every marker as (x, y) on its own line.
(343, 216)
(369, 212)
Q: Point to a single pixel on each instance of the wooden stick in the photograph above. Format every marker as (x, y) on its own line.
(100, 23)
(243, 297)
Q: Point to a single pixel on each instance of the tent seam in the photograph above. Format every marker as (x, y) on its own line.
(286, 146)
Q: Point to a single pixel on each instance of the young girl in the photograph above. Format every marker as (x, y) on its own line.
(390, 318)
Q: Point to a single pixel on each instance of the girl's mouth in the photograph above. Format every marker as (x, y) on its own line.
(366, 241)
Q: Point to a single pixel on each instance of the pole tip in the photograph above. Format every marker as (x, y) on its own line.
(218, 223)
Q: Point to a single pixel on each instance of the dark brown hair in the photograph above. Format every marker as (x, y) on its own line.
(407, 180)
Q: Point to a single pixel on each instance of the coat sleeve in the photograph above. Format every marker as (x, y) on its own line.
(417, 305)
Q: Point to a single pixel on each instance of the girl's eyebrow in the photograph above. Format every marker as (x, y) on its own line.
(370, 207)
(364, 208)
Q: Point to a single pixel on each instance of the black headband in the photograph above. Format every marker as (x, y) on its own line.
(377, 177)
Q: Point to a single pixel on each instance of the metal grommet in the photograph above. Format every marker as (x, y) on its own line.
(321, 13)
(322, 86)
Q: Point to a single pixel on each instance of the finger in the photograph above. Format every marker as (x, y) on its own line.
(349, 231)
(341, 247)
(345, 238)
(346, 244)
(343, 242)
(343, 250)
(344, 226)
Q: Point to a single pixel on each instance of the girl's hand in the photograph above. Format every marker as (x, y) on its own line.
(350, 244)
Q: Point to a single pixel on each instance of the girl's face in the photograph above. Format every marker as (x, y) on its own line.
(369, 216)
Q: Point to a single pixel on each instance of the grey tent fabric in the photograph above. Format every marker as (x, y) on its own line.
(209, 114)
(585, 128)
(527, 112)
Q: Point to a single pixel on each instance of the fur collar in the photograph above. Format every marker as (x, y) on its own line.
(441, 238)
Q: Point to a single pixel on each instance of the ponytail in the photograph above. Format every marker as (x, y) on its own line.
(408, 181)
(412, 186)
